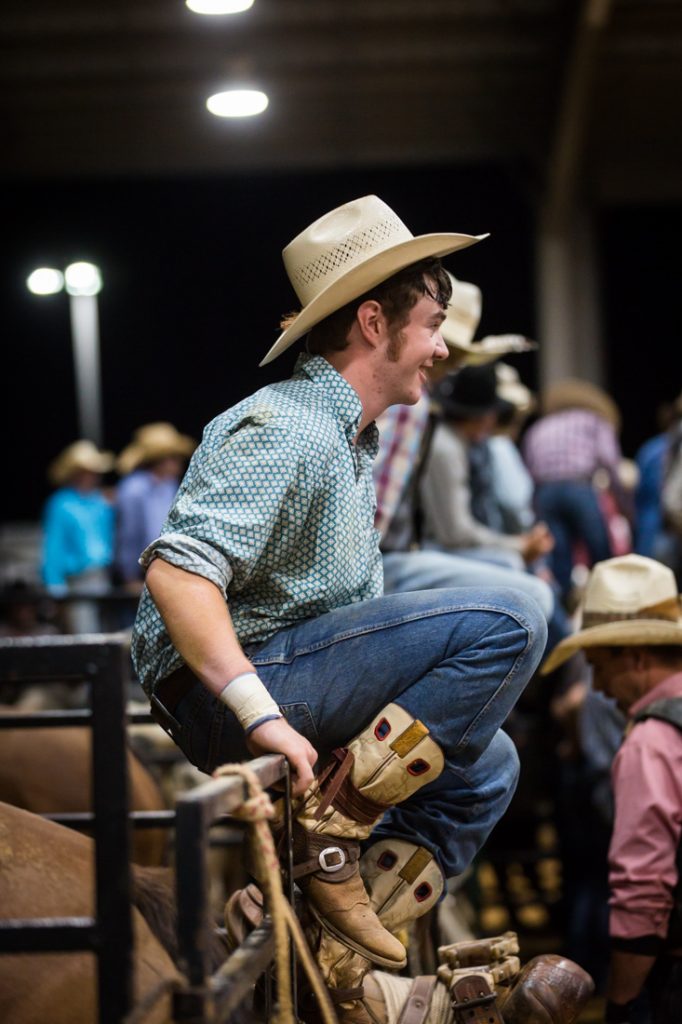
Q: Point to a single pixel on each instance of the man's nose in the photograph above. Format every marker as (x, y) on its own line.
(441, 348)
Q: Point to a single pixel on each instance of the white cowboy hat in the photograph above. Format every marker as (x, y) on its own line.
(495, 345)
(152, 442)
(348, 251)
(462, 315)
(511, 389)
(461, 320)
(629, 601)
(81, 455)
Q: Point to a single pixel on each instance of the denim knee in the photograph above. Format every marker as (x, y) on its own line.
(509, 763)
(534, 615)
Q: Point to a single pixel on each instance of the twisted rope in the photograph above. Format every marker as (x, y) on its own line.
(257, 810)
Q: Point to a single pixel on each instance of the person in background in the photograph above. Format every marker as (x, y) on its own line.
(512, 484)
(631, 634)
(657, 501)
(576, 435)
(651, 460)
(78, 533)
(470, 405)
(151, 468)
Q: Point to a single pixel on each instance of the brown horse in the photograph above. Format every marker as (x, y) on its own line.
(47, 870)
(48, 770)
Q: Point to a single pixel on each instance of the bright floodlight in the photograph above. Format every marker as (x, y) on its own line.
(218, 6)
(83, 279)
(45, 281)
(237, 103)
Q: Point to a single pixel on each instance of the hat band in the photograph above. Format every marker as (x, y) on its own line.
(666, 611)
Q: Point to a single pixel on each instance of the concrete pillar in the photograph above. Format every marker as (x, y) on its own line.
(569, 330)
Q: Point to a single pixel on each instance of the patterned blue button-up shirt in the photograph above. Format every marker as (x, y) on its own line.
(277, 509)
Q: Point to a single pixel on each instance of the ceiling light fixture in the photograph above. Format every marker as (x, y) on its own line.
(213, 7)
(237, 103)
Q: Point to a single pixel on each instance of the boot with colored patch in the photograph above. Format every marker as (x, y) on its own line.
(384, 765)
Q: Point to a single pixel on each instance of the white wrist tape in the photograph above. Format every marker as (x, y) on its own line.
(248, 700)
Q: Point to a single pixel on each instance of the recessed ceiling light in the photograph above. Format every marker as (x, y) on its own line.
(218, 6)
(237, 103)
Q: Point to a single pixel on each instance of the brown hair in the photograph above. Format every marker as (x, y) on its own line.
(396, 296)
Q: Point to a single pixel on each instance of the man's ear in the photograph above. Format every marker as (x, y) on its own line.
(371, 321)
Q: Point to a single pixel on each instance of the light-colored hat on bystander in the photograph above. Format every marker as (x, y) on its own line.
(574, 393)
(629, 601)
(348, 251)
(511, 389)
(77, 457)
(461, 320)
(152, 442)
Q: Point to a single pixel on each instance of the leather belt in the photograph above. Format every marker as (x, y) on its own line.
(174, 687)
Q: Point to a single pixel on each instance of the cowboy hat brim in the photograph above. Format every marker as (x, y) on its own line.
(624, 633)
(135, 455)
(61, 471)
(364, 276)
(477, 353)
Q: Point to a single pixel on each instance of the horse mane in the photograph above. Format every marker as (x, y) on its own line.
(153, 894)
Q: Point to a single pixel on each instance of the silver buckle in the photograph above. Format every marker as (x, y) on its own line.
(331, 868)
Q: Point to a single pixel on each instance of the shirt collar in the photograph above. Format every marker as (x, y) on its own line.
(342, 397)
(670, 687)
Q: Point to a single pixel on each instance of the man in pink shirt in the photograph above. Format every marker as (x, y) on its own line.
(632, 636)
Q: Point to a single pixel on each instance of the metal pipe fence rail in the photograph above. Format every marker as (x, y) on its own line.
(101, 660)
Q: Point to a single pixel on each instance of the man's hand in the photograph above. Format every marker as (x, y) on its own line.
(278, 737)
(537, 541)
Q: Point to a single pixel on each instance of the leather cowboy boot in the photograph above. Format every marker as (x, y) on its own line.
(385, 764)
(549, 990)
(403, 882)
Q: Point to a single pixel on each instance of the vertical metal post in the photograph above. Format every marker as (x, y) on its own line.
(85, 340)
(191, 879)
(106, 671)
(289, 879)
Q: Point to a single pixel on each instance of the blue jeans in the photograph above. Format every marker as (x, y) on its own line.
(456, 659)
(430, 570)
(571, 510)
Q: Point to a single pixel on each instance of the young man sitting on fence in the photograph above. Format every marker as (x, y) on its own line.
(262, 626)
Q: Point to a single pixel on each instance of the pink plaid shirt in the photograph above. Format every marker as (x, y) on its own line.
(570, 445)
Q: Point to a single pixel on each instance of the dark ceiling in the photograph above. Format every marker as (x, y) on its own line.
(93, 90)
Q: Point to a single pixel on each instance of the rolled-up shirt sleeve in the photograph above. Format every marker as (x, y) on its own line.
(229, 507)
(647, 781)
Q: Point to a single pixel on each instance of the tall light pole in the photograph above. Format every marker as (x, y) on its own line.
(83, 282)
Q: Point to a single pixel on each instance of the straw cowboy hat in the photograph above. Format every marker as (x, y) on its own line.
(462, 315)
(81, 455)
(573, 393)
(152, 442)
(461, 320)
(511, 389)
(629, 601)
(348, 251)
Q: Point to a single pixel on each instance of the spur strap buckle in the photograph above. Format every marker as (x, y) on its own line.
(336, 865)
